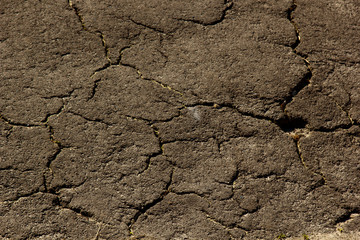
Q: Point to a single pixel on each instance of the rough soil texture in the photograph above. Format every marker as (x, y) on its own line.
(211, 119)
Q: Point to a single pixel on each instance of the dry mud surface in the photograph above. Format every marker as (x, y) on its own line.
(211, 119)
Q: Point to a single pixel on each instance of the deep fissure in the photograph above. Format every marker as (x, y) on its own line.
(288, 124)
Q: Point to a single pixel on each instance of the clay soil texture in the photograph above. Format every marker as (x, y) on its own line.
(209, 119)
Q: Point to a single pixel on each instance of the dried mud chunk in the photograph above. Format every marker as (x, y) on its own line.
(318, 110)
(115, 199)
(128, 143)
(285, 207)
(329, 30)
(201, 123)
(253, 77)
(24, 157)
(200, 169)
(179, 217)
(343, 87)
(42, 58)
(38, 215)
(119, 91)
(336, 156)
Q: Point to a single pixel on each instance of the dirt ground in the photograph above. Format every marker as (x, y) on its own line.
(209, 119)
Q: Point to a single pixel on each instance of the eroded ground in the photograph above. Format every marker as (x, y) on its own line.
(209, 119)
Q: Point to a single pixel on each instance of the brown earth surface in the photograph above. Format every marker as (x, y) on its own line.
(211, 119)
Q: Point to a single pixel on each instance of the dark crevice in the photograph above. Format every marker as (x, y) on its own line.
(58, 202)
(77, 13)
(145, 120)
(320, 183)
(298, 150)
(61, 95)
(188, 193)
(150, 122)
(93, 90)
(55, 190)
(155, 154)
(130, 66)
(341, 126)
(228, 6)
(267, 174)
(106, 48)
(117, 62)
(345, 108)
(46, 119)
(109, 62)
(234, 177)
(289, 12)
(347, 216)
(295, 90)
(147, 26)
(12, 123)
(8, 132)
(18, 197)
(58, 144)
(307, 77)
(52, 138)
(53, 157)
(97, 32)
(8, 168)
(142, 210)
(82, 212)
(97, 120)
(288, 125)
(106, 65)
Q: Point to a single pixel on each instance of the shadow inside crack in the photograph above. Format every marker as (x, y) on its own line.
(290, 124)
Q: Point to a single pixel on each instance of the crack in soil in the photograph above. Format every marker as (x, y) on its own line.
(296, 136)
(348, 216)
(77, 13)
(231, 226)
(343, 110)
(20, 196)
(284, 124)
(13, 123)
(53, 140)
(142, 210)
(66, 95)
(106, 48)
(93, 90)
(147, 26)
(160, 152)
(103, 43)
(209, 218)
(228, 5)
(287, 125)
(141, 76)
(96, 237)
(305, 81)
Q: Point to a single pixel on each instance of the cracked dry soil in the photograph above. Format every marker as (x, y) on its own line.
(211, 119)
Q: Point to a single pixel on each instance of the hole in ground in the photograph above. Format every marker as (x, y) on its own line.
(288, 125)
